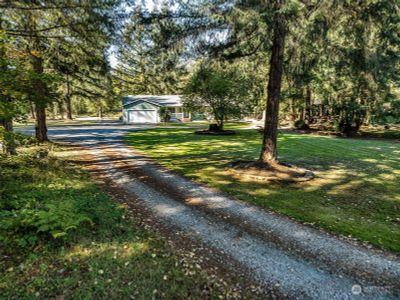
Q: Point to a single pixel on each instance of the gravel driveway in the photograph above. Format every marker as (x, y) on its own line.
(280, 254)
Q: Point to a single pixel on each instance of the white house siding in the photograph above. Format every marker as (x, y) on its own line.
(141, 112)
(145, 108)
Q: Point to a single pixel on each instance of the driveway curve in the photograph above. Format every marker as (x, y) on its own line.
(298, 261)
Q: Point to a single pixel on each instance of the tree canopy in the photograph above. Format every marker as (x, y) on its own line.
(301, 60)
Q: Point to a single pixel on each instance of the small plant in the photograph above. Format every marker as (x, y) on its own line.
(43, 199)
(165, 114)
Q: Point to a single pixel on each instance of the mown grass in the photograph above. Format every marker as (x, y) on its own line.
(107, 258)
(356, 192)
(380, 132)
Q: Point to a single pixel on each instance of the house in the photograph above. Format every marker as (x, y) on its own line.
(144, 108)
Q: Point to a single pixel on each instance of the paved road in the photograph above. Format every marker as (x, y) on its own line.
(90, 135)
(297, 261)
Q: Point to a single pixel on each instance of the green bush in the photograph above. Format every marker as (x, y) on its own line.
(351, 115)
(45, 199)
(15, 139)
(301, 125)
(165, 114)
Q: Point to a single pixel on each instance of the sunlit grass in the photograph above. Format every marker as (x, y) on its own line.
(356, 192)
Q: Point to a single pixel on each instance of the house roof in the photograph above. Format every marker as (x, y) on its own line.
(164, 100)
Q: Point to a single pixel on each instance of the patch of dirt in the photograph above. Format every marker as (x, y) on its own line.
(277, 172)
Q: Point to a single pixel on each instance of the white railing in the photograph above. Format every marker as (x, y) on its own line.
(176, 116)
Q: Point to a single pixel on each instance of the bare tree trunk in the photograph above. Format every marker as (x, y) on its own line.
(307, 108)
(41, 127)
(302, 113)
(268, 151)
(68, 100)
(52, 111)
(60, 109)
(101, 112)
(40, 101)
(292, 113)
(32, 109)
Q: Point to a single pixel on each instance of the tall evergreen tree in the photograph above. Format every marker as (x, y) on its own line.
(40, 27)
(233, 30)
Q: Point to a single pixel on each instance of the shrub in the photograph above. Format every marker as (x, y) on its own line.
(301, 125)
(165, 114)
(351, 115)
(46, 199)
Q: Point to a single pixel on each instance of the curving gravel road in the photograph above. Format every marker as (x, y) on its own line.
(298, 261)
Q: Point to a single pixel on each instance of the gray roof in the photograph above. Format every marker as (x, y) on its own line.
(164, 100)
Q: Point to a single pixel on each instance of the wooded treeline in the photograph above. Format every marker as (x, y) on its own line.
(332, 62)
(51, 52)
(304, 61)
(339, 56)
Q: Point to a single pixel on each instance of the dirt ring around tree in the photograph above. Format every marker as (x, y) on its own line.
(278, 172)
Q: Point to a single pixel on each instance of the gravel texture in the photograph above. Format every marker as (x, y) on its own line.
(299, 261)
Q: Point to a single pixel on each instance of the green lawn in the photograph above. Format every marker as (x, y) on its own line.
(356, 192)
(61, 237)
(392, 133)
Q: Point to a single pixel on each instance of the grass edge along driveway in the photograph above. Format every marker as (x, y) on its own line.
(108, 257)
(356, 192)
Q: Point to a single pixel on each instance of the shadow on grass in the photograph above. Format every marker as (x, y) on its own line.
(356, 191)
(111, 258)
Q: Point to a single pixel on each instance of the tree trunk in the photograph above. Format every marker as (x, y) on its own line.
(41, 127)
(60, 109)
(32, 108)
(268, 151)
(68, 100)
(101, 112)
(40, 99)
(307, 108)
(292, 113)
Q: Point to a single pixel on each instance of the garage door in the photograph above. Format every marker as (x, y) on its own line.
(142, 116)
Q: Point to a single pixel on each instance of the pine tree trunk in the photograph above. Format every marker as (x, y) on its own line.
(101, 112)
(32, 108)
(307, 109)
(60, 110)
(268, 151)
(40, 101)
(41, 127)
(68, 100)
(292, 113)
